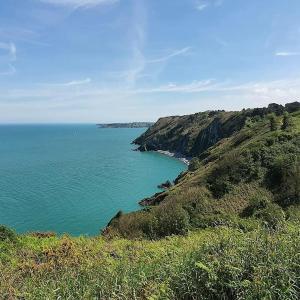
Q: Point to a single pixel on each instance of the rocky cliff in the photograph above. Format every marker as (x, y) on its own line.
(191, 135)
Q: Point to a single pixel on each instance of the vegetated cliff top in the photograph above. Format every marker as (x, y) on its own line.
(190, 135)
(245, 165)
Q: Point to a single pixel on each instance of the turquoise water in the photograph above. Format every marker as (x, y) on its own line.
(74, 178)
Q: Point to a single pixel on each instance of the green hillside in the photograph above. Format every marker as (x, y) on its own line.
(227, 229)
(251, 170)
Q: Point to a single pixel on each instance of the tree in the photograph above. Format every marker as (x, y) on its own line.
(286, 121)
(273, 122)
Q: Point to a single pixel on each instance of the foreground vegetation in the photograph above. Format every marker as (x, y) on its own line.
(215, 263)
(227, 229)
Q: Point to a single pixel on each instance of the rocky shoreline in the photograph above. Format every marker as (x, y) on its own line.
(179, 156)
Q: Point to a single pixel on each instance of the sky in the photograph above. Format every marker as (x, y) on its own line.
(89, 61)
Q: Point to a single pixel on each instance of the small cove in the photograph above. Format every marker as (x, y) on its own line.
(74, 178)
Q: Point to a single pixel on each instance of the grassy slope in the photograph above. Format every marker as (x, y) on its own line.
(229, 176)
(219, 263)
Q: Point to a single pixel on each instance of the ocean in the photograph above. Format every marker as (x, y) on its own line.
(74, 178)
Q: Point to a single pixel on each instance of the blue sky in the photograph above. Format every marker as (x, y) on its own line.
(135, 60)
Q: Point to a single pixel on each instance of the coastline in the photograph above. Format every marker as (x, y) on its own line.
(178, 156)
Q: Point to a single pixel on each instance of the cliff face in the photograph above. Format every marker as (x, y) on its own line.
(191, 135)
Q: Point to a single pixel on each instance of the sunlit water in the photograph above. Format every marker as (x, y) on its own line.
(74, 178)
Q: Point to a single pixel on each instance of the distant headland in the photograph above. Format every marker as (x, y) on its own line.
(126, 125)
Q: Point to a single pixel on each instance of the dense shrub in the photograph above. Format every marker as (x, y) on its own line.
(256, 204)
(232, 169)
(286, 122)
(242, 137)
(284, 179)
(213, 220)
(272, 216)
(293, 213)
(194, 164)
(171, 219)
(254, 266)
(7, 234)
(273, 122)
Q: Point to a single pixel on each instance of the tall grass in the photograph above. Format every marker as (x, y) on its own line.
(220, 263)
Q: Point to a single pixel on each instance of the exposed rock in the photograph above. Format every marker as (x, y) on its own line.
(165, 185)
(154, 200)
(292, 107)
(117, 216)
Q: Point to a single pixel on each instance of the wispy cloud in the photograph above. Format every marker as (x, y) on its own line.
(79, 3)
(9, 70)
(70, 83)
(171, 55)
(203, 4)
(10, 49)
(269, 89)
(138, 33)
(144, 103)
(287, 53)
(8, 55)
(192, 87)
(140, 64)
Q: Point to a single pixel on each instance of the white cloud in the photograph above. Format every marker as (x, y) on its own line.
(171, 55)
(70, 83)
(287, 53)
(79, 3)
(193, 87)
(203, 4)
(91, 103)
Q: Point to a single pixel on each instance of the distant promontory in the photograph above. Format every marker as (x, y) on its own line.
(126, 125)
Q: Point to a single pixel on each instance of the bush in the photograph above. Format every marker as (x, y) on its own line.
(286, 122)
(7, 234)
(234, 168)
(241, 266)
(284, 179)
(256, 203)
(273, 122)
(273, 217)
(293, 213)
(242, 137)
(214, 220)
(171, 219)
(220, 186)
(194, 164)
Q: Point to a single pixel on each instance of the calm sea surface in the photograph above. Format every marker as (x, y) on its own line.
(74, 178)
